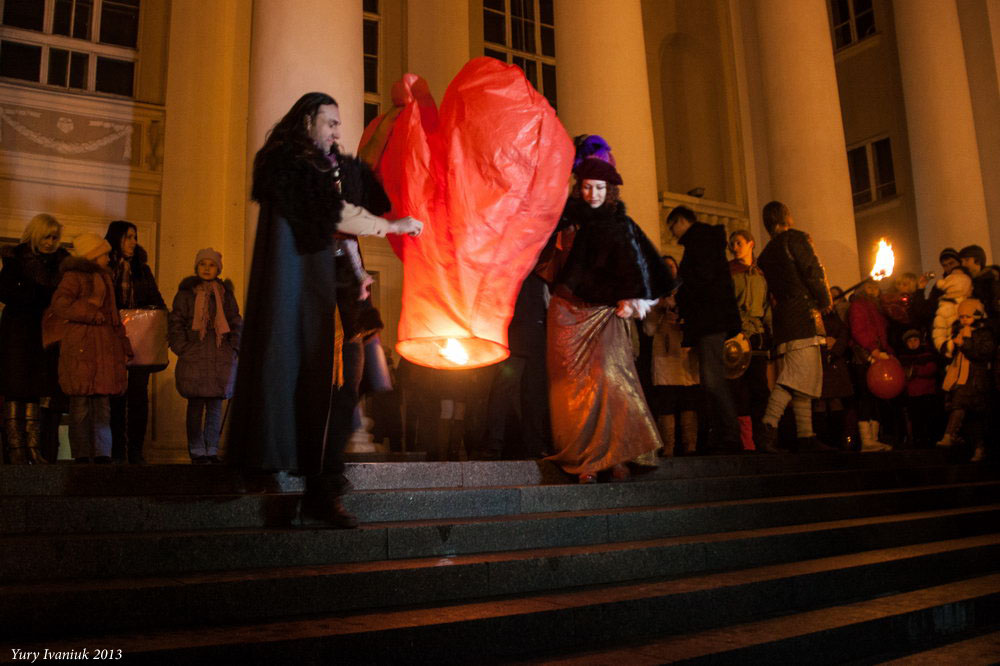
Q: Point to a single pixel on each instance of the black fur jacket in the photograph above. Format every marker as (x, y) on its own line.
(611, 259)
(307, 196)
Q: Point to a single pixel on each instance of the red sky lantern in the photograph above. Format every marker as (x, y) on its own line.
(488, 175)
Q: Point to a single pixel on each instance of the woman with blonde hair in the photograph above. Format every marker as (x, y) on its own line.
(28, 372)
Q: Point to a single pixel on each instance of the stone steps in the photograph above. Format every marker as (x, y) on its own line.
(695, 606)
(746, 558)
(22, 514)
(234, 596)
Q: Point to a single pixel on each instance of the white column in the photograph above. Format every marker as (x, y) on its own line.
(603, 89)
(438, 43)
(806, 153)
(947, 176)
(301, 46)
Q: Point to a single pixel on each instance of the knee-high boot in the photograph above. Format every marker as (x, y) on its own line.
(666, 424)
(33, 430)
(13, 428)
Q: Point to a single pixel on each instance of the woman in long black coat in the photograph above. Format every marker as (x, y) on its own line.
(29, 379)
(284, 405)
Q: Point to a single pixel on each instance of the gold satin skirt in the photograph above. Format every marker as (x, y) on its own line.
(599, 415)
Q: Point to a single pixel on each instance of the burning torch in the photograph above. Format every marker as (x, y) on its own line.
(884, 262)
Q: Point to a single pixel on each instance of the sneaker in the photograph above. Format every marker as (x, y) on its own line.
(200, 460)
(947, 441)
(979, 455)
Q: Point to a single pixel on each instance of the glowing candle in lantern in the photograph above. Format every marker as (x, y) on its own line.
(488, 177)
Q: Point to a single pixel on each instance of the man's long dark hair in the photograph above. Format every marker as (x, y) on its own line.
(290, 134)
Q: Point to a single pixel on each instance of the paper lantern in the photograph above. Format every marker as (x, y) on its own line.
(886, 378)
(488, 176)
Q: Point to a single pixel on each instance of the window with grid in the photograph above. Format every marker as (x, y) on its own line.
(372, 29)
(872, 174)
(88, 45)
(522, 32)
(851, 21)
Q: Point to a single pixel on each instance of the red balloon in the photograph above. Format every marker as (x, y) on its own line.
(886, 378)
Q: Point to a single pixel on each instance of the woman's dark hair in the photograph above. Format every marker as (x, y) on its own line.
(291, 133)
(612, 197)
(116, 232)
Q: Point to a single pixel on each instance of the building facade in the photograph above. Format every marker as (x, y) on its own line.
(869, 118)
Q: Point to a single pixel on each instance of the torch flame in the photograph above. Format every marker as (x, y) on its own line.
(884, 261)
(454, 352)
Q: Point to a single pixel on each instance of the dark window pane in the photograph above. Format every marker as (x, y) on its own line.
(549, 84)
(885, 176)
(119, 22)
(842, 36)
(62, 17)
(371, 6)
(857, 164)
(20, 61)
(58, 67)
(546, 14)
(371, 74)
(499, 55)
(522, 35)
(494, 28)
(78, 65)
(371, 112)
(81, 20)
(865, 25)
(548, 42)
(115, 76)
(371, 37)
(523, 8)
(494, 4)
(24, 13)
(529, 67)
(862, 6)
(839, 12)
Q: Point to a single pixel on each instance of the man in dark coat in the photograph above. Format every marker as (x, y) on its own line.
(707, 305)
(797, 284)
(284, 415)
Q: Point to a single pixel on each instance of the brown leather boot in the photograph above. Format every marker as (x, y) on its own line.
(13, 427)
(33, 430)
(322, 501)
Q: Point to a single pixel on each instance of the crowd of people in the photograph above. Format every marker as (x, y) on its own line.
(634, 354)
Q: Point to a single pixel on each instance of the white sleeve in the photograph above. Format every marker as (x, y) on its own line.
(357, 221)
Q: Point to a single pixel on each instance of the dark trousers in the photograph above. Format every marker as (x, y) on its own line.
(725, 433)
(751, 393)
(129, 417)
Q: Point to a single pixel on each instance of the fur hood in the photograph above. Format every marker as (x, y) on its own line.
(80, 265)
(956, 285)
(190, 282)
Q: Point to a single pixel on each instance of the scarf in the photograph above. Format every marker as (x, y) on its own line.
(200, 322)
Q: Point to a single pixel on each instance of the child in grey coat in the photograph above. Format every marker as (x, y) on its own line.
(204, 332)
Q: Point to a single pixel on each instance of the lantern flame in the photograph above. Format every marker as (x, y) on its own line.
(454, 352)
(884, 261)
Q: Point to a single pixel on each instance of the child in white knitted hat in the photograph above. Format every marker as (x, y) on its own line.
(204, 332)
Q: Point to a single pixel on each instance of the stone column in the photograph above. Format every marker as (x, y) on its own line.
(806, 153)
(947, 175)
(603, 89)
(301, 46)
(439, 42)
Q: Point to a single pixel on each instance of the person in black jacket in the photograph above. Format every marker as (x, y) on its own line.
(707, 305)
(797, 283)
(29, 380)
(135, 287)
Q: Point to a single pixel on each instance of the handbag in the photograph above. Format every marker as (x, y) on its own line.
(146, 330)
